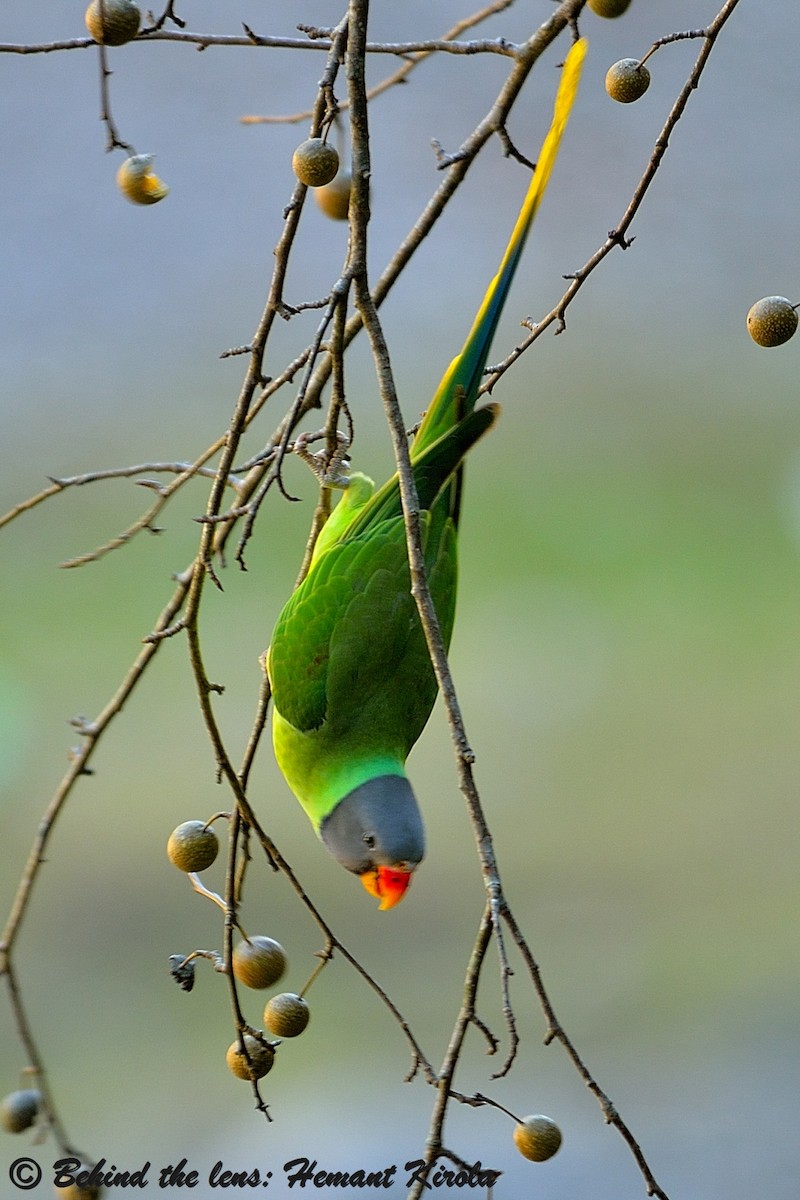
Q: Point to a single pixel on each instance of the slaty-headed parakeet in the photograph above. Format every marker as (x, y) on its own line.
(351, 678)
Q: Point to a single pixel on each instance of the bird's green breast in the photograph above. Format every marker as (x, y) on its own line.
(320, 771)
(349, 667)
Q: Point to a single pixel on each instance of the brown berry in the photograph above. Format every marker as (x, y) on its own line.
(772, 321)
(315, 163)
(537, 1138)
(286, 1015)
(18, 1110)
(334, 197)
(609, 8)
(192, 846)
(262, 1057)
(627, 80)
(259, 962)
(114, 25)
(80, 1191)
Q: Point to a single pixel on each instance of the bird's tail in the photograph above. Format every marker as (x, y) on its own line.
(459, 387)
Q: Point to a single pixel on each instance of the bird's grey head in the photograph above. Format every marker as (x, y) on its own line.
(376, 832)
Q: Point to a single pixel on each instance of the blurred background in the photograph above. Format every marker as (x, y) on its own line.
(627, 651)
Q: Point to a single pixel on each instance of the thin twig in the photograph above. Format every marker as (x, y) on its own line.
(203, 41)
(401, 74)
(114, 141)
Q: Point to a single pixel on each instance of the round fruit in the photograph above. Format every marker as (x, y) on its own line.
(117, 24)
(262, 1057)
(192, 846)
(315, 163)
(138, 182)
(259, 962)
(77, 1191)
(609, 8)
(334, 197)
(537, 1138)
(286, 1015)
(18, 1110)
(772, 321)
(627, 80)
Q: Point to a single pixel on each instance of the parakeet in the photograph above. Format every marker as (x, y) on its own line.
(350, 674)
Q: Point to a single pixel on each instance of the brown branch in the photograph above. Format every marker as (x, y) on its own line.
(203, 41)
(403, 72)
(114, 141)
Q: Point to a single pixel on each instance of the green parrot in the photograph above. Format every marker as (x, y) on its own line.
(348, 665)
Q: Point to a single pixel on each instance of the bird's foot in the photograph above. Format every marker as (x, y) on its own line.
(331, 469)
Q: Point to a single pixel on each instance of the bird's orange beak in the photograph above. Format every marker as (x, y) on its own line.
(387, 884)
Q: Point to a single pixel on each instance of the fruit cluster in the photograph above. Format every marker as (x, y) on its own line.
(257, 962)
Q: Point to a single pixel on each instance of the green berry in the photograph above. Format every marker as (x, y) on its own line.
(259, 962)
(772, 321)
(537, 1138)
(18, 1110)
(286, 1015)
(262, 1057)
(609, 8)
(315, 163)
(627, 80)
(192, 846)
(117, 24)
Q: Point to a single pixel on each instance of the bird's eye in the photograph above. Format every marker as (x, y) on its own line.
(369, 840)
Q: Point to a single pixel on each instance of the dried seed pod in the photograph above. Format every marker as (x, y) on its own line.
(182, 971)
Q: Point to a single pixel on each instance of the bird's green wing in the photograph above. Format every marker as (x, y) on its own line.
(431, 469)
(358, 593)
(379, 674)
(299, 656)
